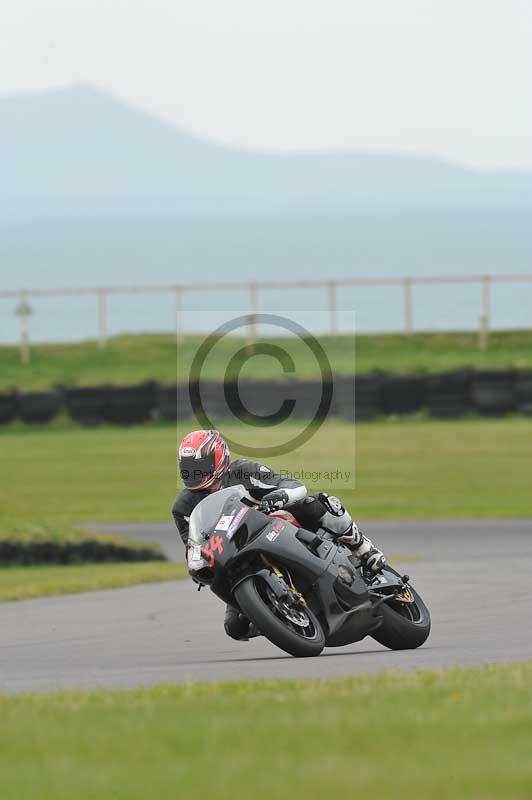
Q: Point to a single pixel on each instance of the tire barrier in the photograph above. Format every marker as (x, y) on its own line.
(38, 407)
(344, 397)
(172, 403)
(357, 398)
(129, 405)
(363, 397)
(494, 392)
(88, 551)
(8, 407)
(119, 405)
(166, 402)
(86, 406)
(523, 392)
(305, 397)
(368, 389)
(402, 394)
(449, 394)
(213, 402)
(267, 402)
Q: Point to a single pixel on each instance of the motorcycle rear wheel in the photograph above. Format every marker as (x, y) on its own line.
(277, 624)
(405, 626)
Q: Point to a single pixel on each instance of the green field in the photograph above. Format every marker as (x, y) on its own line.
(133, 359)
(407, 469)
(23, 583)
(459, 734)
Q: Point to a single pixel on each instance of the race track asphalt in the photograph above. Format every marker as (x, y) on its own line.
(474, 576)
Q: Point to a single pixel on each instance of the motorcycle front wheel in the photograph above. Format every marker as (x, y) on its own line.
(295, 630)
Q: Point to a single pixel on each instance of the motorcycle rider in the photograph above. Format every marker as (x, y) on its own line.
(205, 466)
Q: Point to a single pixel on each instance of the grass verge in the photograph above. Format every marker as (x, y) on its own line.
(446, 735)
(45, 558)
(136, 358)
(23, 583)
(383, 470)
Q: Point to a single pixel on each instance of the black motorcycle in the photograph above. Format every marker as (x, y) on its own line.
(301, 590)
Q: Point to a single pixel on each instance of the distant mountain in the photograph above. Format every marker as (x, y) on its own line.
(81, 150)
(95, 192)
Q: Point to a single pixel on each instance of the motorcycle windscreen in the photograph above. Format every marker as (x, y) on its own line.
(215, 512)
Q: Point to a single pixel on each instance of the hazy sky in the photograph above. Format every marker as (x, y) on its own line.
(449, 77)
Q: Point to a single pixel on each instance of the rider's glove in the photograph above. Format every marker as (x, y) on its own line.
(273, 501)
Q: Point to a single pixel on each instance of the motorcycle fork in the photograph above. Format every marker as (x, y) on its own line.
(286, 578)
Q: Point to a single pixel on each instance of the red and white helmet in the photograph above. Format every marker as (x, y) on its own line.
(204, 459)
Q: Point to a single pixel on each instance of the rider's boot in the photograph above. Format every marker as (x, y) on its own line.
(338, 521)
(237, 626)
(372, 558)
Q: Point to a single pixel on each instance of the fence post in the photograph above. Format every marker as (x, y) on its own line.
(179, 315)
(252, 317)
(102, 319)
(407, 297)
(484, 326)
(23, 312)
(332, 307)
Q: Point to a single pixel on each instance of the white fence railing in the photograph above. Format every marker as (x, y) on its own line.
(253, 288)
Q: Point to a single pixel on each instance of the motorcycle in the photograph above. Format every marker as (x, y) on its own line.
(301, 590)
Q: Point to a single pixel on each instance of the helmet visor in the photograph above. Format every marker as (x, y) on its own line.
(195, 472)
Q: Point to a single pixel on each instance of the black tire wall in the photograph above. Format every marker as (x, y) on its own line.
(87, 405)
(446, 396)
(493, 392)
(39, 407)
(523, 392)
(8, 407)
(357, 398)
(449, 394)
(129, 405)
(402, 394)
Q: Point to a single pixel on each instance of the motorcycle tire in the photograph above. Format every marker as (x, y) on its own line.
(267, 620)
(405, 626)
